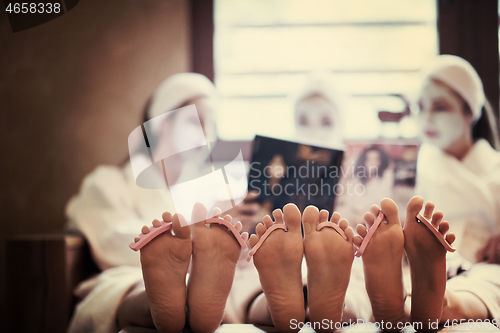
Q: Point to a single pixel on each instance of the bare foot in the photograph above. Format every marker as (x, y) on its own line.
(279, 261)
(329, 259)
(215, 255)
(427, 258)
(382, 263)
(165, 262)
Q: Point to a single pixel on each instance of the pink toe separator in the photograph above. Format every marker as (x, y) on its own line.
(153, 232)
(371, 231)
(264, 237)
(283, 227)
(231, 227)
(436, 232)
(332, 225)
(165, 226)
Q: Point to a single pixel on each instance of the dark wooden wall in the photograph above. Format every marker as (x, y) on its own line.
(71, 90)
(469, 29)
(202, 37)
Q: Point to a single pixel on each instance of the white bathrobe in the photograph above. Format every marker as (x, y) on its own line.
(468, 193)
(110, 211)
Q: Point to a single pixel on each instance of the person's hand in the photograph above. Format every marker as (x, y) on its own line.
(250, 212)
(490, 253)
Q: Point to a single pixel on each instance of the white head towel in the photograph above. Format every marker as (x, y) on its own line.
(322, 84)
(177, 90)
(460, 76)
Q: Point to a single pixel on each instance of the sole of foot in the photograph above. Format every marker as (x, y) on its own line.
(215, 255)
(329, 260)
(427, 258)
(382, 264)
(279, 262)
(165, 262)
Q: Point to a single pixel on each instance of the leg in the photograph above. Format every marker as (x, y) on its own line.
(329, 259)
(382, 264)
(134, 308)
(459, 305)
(474, 294)
(165, 263)
(258, 313)
(279, 263)
(357, 303)
(215, 255)
(427, 259)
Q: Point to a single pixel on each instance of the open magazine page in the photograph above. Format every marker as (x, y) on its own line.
(285, 171)
(373, 170)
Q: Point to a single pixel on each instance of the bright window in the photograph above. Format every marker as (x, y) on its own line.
(265, 48)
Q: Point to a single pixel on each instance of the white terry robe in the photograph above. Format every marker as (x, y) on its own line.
(468, 193)
(110, 211)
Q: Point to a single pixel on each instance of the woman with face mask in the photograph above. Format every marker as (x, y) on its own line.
(458, 169)
(316, 107)
(317, 110)
(110, 208)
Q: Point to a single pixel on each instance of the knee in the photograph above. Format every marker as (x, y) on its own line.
(463, 305)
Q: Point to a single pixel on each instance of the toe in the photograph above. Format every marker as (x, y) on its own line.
(436, 218)
(369, 219)
(145, 229)
(429, 208)
(349, 233)
(343, 224)
(310, 219)
(374, 209)
(244, 236)
(278, 216)
(228, 218)
(180, 227)
(253, 240)
(444, 227)
(260, 229)
(293, 218)
(450, 238)
(167, 217)
(238, 226)
(335, 218)
(358, 240)
(414, 207)
(136, 239)
(199, 214)
(361, 230)
(390, 210)
(323, 215)
(156, 223)
(268, 221)
(216, 212)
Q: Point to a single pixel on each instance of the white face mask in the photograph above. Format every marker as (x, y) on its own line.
(186, 135)
(446, 129)
(317, 119)
(194, 130)
(442, 119)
